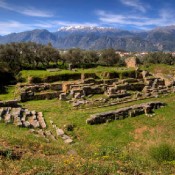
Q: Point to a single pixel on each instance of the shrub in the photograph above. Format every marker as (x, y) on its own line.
(163, 152)
(34, 80)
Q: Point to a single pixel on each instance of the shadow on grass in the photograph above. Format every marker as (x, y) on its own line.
(3, 89)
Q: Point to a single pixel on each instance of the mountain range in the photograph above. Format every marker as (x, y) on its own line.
(95, 38)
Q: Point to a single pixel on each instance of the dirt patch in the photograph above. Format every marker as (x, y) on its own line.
(11, 154)
(138, 133)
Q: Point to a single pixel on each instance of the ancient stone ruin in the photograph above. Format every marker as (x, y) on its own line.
(11, 112)
(132, 111)
(131, 62)
(52, 135)
(22, 117)
(39, 91)
(114, 89)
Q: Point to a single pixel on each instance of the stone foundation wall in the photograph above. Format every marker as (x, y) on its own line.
(41, 87)
(27, 96)
(122, 113)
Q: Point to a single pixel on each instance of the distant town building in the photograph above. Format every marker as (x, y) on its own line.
(123, 54)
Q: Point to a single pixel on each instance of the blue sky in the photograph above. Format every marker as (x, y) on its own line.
(21, 15)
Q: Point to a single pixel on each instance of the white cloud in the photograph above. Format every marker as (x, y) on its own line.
(16, 26)
(30, 11)
(13, 26)
(36, 13)
(164, 18)
(136, 4)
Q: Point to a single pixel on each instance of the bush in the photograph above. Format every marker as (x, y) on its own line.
(34, 80)
(163, 152)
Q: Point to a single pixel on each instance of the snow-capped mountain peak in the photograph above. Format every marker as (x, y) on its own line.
(85, 28)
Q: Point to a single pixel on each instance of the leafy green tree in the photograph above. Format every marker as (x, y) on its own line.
(108, 57)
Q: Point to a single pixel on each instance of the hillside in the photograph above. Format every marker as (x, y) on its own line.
(158, 39)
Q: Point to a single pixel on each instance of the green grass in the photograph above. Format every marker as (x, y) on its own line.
(9, 95)
(163, 152)
(42, 74)
(163, 68)
(118, 147)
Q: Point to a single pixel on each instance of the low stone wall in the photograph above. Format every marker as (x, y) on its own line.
(10, 103)
(46, 95)
(66, 86)
(41, 87)
(122, 113)
(110, 81)
(22, 117)
(130, 86)
(88, 90)
(27, 96)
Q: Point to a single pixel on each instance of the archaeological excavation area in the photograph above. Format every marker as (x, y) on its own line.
(85, 119)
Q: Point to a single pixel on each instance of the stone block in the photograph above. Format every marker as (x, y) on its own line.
(59, 132)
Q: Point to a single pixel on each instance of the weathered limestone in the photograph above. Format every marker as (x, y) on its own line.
(26, 96)
(41, 120)
(93, 90)
(111, 84)
(40, 91)
(66, 85)
(63, 96)
(60, 133)
(122, 113)
(89, 80)
(22, 117)
(145, 74)
(131, 62)
(41, 87)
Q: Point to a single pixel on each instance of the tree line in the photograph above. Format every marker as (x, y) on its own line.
(18, 56)
(158, 58)
(30, 55)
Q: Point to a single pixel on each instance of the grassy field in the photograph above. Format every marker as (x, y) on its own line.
(161, 68)
(25, 75)
(140, 145)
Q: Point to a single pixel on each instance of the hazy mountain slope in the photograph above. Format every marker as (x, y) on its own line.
(39, 36)
(162, 38)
